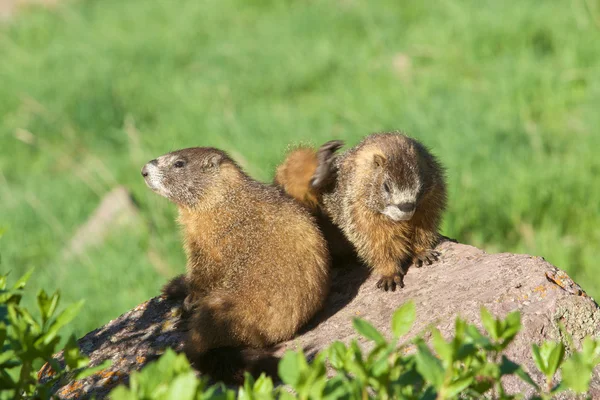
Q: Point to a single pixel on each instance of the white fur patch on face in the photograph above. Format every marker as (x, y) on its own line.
(154, 180)
(396, 215)
(402, 196)
(397, 207)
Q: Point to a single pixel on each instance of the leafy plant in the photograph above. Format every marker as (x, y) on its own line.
(28, 341)
(170, 377)
(470, 365)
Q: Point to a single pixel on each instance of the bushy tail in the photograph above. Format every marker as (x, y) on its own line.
(228, 364)
(176, 288)
(305, 171)
(295, 174)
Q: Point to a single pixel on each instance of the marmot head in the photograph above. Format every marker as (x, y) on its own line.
(185, 176)
(396, 180)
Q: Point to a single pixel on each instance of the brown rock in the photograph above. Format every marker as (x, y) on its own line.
(465, 279)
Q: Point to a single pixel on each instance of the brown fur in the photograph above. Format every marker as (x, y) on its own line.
(294, 176)
(303, 176)
(257, 265)
(356, 199)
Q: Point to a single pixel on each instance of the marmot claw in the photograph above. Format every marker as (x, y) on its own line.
(390, 282)
(426, 256)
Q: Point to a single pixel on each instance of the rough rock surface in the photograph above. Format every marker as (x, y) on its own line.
(459, 284)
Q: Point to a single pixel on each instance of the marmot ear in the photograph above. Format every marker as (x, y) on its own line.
(214, 160)
(379, 160)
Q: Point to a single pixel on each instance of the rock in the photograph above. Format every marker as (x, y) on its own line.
(465, 279)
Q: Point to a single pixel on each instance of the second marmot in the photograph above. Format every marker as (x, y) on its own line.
(387, 195)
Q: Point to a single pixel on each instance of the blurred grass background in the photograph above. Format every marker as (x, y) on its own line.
(507, 94)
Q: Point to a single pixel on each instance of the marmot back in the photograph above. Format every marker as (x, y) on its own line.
(388, 196)
(257, 264)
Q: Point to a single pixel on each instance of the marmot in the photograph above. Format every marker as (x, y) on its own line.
(387, 195)
(296, 178)
(257, 264)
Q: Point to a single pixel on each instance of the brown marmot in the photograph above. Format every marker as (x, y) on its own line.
(296, 177)
(387, 195)
(257, 264)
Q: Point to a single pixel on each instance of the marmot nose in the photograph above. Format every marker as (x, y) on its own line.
(145, 168)
(406, 207)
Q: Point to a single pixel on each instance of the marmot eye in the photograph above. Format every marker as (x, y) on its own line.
(386, 187)
(179, 164)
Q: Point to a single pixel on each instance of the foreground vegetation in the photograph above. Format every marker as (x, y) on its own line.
(505, 93)
(468, 366)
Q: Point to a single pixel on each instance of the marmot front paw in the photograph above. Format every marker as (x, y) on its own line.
(426, 256)
(390, 282)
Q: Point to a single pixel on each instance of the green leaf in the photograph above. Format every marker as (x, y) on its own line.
(548, 357)
(20, 283)
(61, 320)
(355, 363)
(368, 331)
(47, 304)
(337, 355)
(178, 362)
(489, 323)
(245, 391)
(336, 388)
(403, 319)
(525, 377)
(465, 350)
(457, 386)
(539, 360)
(317, 368)
(512, 326)
(590, 349)
(443, 348)
(72, 355)
(183, 387)
(28, 319)
(263, 385)
(576, 373)
(460, 327)
(122, 393)
(555, 358)
(289, 368)
(380, 367)
(429, 366)
(8, 357)
(477, 338)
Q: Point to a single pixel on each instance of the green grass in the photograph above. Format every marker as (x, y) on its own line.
(507, 94)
